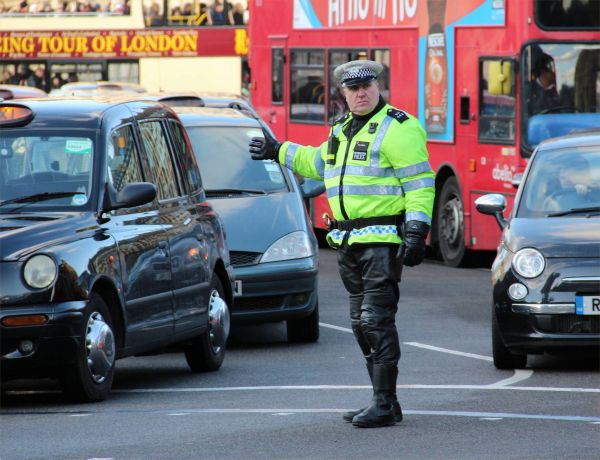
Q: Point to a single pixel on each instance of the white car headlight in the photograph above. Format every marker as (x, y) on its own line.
(296, 245)
(40, 271)
(529, 263)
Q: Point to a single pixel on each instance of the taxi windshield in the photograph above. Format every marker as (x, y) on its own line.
(45, 171)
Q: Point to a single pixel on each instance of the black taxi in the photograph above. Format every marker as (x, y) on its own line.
(108, 247)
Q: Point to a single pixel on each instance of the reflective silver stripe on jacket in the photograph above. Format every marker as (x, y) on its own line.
(413, 170)
(289, 156)
(418, 215)
(319, 165)
(337, 129)
(360, 171)
(376, 147)
(366, 190)
(418, 183)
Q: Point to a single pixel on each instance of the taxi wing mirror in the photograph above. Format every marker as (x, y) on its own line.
(493, 204)
(133, 194)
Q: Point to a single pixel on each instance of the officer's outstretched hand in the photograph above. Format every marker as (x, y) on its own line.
(266, 148)
(415, 233)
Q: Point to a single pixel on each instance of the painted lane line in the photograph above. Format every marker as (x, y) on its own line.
(493, 387)
(355, 387)
(419, 345)
(337, 328)
(447, 350)
(290, 411)
(520, 375)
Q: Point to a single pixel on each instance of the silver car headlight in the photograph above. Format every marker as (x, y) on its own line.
(295, 245)
(529, 262)
(40, 271)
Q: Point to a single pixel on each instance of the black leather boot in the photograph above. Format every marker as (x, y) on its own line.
(348, 416)
(381, 410)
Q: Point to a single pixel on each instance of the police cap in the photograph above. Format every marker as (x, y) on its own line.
(357, 72)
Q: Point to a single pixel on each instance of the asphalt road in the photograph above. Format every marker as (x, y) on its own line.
(274, 400)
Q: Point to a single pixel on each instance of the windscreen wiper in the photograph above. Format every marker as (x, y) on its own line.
(234, 191)
(38, 197)
(575, 211)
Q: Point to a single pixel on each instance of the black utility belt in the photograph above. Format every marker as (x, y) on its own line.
(362, 222)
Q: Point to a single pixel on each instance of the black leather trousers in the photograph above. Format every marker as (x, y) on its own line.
(371, 277)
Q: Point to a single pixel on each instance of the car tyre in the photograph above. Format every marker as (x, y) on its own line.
(304, 330)
(207, 352)
(503, 357)
(89, 378)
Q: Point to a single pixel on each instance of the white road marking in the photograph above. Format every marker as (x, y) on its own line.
(79, 415)
(491, 419)
(447, 350)
(290, 411)
(492, 387)
(520, 375)
(337, 328)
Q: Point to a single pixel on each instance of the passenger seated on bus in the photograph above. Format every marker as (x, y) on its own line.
(543, 96)
(575, 187)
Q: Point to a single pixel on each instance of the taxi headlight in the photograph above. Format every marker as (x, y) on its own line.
(529, 262)
(296, 245)
(40, 271)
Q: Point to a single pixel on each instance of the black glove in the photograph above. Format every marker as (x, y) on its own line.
(266, 148)
(415, 233)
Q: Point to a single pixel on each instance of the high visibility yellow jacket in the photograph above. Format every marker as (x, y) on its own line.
(383, 170)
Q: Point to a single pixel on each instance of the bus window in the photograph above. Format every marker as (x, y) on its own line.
(567, 14)
(337, 102)
(277, 60)
(124, 71)
(383, 57)
(154, 13)
(560, 84)
(307, 86)
(497, 101)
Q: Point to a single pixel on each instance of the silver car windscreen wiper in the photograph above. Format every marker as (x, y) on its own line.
(234, 191)
(575, 211)
(38, 197)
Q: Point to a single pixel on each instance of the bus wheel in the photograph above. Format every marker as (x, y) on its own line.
(450, 224)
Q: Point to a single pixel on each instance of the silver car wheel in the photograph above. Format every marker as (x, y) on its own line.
(100, 347)
(218, 321)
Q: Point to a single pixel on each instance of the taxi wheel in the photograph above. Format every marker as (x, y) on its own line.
(89, 378)
(304, 329)
(207, 352)
(503, 357)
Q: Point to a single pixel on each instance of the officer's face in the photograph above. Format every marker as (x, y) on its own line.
(362, 98)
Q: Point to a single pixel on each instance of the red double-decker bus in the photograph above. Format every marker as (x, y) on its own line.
(488, 79)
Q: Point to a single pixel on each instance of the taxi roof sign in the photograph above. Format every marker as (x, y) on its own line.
(14, 115)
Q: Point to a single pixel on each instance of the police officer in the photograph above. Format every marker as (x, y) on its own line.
(380, 188)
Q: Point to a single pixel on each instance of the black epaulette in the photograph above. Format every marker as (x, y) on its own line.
(341, 119)
(399, 115)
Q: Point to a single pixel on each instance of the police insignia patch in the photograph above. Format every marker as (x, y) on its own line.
(398, 115)
(360, 151)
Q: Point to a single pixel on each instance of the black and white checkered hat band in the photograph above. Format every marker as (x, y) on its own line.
(356, 74)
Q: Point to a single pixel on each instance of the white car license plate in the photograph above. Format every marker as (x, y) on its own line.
(237, 289)
(587, 304)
